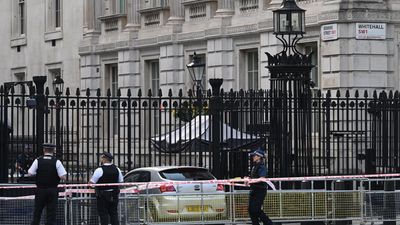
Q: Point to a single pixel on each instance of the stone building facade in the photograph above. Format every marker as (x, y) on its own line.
(40, 38)
(147, 43)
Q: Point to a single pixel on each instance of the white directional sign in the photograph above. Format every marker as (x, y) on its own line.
(329, 32)
(375, 31)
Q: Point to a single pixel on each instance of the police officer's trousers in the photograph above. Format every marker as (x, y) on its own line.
(107, 207)
(45, 197)
(256, 200)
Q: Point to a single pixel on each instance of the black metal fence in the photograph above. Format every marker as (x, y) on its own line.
(348, 133)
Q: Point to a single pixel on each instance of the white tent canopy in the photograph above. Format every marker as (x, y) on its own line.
(196, 134)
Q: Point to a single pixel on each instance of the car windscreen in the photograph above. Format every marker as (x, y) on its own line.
(181, 174)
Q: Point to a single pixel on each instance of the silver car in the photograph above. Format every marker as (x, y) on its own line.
(191, 201)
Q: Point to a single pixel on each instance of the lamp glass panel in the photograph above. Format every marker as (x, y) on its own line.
(284, 22)
(199, 72)
(296, 26)
(192, 73)
(276, 22)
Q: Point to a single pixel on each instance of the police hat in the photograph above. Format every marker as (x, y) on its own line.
(50, 146)
(259, 151)
(107, 155)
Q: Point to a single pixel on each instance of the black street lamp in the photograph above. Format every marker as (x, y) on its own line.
(196, 70)
(58, 87)
(290, 86)
(289, 19)
(289, 25)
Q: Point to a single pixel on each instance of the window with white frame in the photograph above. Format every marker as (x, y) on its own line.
(21, 17)
(252, 74)
(18, 77)
(114, 92)
(153, 74)
(112, 7)
(308, 48)
(54, 15)
(57, 13)
(110, 120)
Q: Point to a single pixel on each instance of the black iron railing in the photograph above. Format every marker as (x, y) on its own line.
(348, 133)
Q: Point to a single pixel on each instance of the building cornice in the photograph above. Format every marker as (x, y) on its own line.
(349, 16)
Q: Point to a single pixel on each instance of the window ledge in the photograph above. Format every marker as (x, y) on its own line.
(18, 41)
(53, 35)
(112, 16)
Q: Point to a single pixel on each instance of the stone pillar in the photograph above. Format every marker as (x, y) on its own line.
(225, 8)
(172, 68)
(220, 61)
(133, 7)
(268, 43)
(129, 71)
(176, 12)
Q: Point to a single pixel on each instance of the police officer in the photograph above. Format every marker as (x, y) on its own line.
(23, 161)
(48, 171)
(258, 190)
(107, 196)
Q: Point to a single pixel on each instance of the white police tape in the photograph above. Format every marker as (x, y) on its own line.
(231, 182)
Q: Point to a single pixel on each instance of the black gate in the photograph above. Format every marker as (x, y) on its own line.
(346, 133)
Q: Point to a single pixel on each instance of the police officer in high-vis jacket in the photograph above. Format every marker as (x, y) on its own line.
(48, 171)
(107, 196)
(258, 190)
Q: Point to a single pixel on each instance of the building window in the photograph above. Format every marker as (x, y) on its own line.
(54, 14)
(248, 6)
(112, 7)
(111, 83)
(57, 13)
(122, 6)
(21, 17)
(252, 70)
(155, 76)
(114, 93)
(308, 48)
(18, 77)
(152, 74)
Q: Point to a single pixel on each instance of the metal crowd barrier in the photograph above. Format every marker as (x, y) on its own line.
(362, 200)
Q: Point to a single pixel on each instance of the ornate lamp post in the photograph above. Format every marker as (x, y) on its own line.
(196, 70)
(290, 86)
(58, 87)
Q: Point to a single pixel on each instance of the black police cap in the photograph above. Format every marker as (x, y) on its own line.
(107, 155)
(49, 146)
